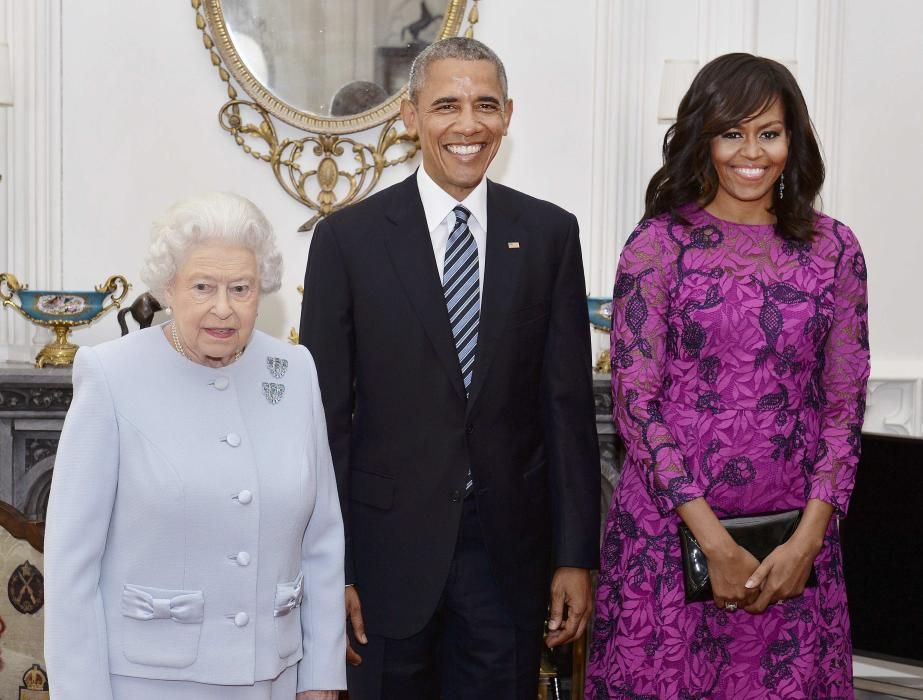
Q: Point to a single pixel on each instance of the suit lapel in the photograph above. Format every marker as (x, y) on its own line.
(411, 251)
(501, 278)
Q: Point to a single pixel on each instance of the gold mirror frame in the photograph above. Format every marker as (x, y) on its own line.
(313, 182)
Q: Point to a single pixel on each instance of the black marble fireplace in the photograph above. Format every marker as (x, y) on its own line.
(33, 403)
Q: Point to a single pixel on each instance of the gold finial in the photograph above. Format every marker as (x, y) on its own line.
(473, 18)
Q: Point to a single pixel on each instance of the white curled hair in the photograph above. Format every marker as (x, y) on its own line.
(215, 216)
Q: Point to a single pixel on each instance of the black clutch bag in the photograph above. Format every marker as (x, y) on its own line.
(758, 534)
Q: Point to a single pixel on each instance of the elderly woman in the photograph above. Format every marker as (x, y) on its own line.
(194, 544)
(739, 362)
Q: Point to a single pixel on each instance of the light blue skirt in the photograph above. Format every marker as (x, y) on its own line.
(129, 688)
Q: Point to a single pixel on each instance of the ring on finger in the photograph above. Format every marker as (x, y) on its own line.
(730, 606)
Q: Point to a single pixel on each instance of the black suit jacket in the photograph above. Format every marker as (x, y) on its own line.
(401, 431)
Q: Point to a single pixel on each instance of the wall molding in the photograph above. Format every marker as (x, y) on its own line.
(615, 185)
(31, 234)
(895, 407)
(828, 102)
(726, 25)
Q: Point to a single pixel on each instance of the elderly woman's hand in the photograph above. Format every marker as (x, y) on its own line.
(318, 695)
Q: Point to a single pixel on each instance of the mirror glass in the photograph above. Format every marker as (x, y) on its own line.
(332, 58)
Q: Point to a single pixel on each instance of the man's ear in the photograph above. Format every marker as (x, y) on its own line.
(507, 115)
(409, 117)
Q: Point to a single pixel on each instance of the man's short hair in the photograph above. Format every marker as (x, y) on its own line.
(460, 48)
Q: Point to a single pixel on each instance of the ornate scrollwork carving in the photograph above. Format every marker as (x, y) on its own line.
(35, 398)
(38, 449)
(316, 184)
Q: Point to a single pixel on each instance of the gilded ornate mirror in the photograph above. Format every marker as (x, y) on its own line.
(327, 67)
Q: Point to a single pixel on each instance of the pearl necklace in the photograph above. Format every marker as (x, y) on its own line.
(182, 351)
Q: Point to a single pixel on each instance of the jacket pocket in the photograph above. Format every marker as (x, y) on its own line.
(371, 489)
(161, 627)
(287, 615)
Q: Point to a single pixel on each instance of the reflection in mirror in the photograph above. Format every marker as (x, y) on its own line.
(331, 57)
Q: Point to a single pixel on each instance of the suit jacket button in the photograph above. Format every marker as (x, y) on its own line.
(455, 496)
(241, 619)
(469, 429)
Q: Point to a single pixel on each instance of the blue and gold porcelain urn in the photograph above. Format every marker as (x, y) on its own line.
(61, 311)
(600, 309)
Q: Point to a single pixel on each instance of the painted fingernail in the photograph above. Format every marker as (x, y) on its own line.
(750, 583)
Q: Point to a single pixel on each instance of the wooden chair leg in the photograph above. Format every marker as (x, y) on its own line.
(578, 669)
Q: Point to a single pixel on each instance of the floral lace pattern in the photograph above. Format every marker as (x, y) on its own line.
(739, 365)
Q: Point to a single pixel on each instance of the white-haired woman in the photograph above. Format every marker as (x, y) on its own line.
(194, 544)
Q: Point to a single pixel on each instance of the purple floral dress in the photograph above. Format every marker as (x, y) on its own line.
(739, 365)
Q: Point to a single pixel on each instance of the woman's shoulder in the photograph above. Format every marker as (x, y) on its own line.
(665, 230)
(137, 346)
(828, 228)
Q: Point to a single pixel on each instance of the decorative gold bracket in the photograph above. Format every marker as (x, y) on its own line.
(284, 156)
(293, 332)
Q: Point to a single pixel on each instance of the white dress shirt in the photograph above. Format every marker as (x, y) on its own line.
(440, 219)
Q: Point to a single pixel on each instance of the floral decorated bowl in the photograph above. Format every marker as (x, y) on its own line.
(61, 311)
(600, 309)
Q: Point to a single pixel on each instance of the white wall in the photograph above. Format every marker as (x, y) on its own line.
(878, 164)
(30, 158)
(138, 119)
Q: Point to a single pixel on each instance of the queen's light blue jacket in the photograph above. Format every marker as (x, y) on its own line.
(194, 531)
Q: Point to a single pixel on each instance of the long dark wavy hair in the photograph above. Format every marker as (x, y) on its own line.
(727, 92)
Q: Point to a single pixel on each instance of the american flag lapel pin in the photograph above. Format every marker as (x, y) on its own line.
(512, 245)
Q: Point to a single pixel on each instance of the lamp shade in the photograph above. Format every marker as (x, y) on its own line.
(675, 81)
(6, 77)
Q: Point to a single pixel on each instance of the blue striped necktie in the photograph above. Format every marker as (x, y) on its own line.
(463, 298)
(462, 292)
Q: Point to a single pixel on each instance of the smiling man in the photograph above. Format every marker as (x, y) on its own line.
(448, 322)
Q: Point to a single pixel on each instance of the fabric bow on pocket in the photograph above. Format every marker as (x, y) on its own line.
(186, 608)
(161, 627)
(288, 596)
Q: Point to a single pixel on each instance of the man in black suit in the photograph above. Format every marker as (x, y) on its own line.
(448, 321)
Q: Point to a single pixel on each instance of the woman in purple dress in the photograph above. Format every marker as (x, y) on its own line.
(739, 365)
